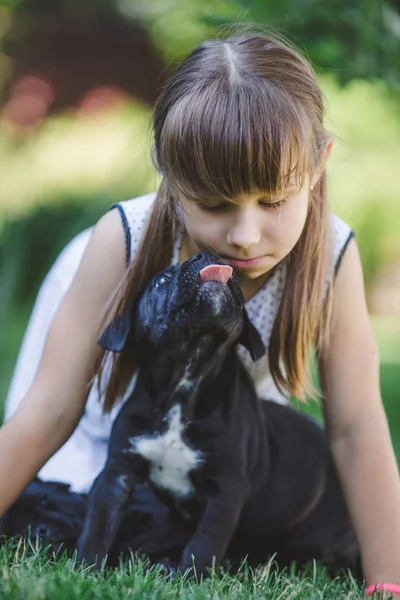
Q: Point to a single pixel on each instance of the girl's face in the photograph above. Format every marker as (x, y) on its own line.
(252, 234)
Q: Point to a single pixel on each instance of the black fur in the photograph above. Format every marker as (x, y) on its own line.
(51, 512)
(47, 510)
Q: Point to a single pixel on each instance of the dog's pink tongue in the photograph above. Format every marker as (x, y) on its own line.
(215, 273)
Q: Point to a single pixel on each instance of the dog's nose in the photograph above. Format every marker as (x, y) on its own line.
(42, 531)
(196, 257)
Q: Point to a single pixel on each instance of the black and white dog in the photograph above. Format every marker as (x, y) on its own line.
(249, 476)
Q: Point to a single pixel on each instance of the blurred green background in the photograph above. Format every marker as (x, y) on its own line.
(78, 80)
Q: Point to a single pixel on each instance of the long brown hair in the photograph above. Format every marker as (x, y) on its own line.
(240, 114)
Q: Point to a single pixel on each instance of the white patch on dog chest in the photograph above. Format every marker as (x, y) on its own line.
(170, 457)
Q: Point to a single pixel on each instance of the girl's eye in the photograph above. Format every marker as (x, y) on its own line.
(212, 209)
(274, 205)
(226, 206)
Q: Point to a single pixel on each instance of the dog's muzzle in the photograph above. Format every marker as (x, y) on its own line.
(201, 269)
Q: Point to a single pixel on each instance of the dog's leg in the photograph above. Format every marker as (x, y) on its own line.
(107, 502)
(213, 534)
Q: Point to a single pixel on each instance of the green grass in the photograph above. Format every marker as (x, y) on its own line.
(28, 573)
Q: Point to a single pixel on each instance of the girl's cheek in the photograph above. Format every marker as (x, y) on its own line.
(209, 235)
(206, 237)
(281, 233)
(292, 218)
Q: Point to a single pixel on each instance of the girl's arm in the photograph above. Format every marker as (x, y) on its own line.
(357, 426)
(54, 403)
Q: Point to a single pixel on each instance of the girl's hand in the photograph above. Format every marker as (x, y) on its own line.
(384, 596)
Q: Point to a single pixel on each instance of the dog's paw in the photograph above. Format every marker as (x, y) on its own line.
(167, 568)
(89, 559)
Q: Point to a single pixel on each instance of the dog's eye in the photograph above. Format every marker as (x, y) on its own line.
(161, 280)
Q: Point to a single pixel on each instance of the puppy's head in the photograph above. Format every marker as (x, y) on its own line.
(184, 305)
(188, 311)
(48, 510)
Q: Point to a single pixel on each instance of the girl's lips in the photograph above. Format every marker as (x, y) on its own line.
(243, 263)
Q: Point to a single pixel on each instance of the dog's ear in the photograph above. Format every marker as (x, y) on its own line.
(251, 339)
(116, 334)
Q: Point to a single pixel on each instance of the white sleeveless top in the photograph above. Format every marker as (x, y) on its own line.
(82, 457)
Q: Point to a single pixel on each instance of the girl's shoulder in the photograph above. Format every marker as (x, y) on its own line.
(134, 215)
(340, 233)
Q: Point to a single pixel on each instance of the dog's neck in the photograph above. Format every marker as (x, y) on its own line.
(174, 382)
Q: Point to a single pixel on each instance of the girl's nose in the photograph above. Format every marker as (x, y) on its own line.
(245, 231)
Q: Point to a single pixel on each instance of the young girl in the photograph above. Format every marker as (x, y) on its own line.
(240, 143)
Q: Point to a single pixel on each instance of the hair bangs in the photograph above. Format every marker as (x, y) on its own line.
(226, 140)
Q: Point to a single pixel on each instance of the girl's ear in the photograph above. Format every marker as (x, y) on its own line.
(251, 339)
(324, 159)
(116, 334)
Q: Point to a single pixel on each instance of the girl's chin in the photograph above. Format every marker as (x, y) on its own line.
(252, 275)
(255, 271)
